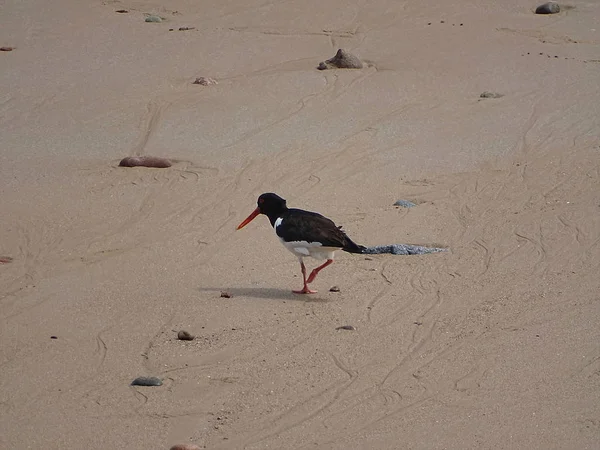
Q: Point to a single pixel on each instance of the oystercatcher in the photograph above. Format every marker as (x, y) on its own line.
(304, 233)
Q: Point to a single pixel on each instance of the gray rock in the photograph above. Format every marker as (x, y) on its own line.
(402, 249)
(548, 8)
(154, 19)
(405, 203)
(342, 60)
(185, 336)
(146, 381)
(205, 81)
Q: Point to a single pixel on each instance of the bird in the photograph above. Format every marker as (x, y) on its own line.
(304, 233)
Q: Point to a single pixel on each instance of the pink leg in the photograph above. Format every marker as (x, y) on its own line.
(314, 273)
(305, 289)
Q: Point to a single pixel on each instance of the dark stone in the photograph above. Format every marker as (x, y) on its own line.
(334, 289)
(487, 94)
(548, 8)
(185, 336)
(146, 381)
(145, 161)
(346, 327)
(226, 294)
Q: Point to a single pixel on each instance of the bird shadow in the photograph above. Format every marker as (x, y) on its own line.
(266, 293)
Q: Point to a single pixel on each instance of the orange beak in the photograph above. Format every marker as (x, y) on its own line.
(249, 219)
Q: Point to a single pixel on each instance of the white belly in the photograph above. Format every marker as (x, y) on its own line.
(312, 249)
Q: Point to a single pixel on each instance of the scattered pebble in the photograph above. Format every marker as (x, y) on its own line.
(405, 203)
(145, 161)
(548, 8)
(5, 259)
(205, 81)
(185, 447)
(122, 11)
(346, 327)
(341, 60)
(185, 336)
(186, 28)
(402, 249)
(6, 49)
(334, 289)
(226, 294)
(53, 337)
(418, 323)
(146, 381)
(487, 94)
(154, 19)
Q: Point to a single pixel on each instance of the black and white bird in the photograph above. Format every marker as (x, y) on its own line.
(304, 233)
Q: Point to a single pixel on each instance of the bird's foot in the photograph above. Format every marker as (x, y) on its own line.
(305, 290)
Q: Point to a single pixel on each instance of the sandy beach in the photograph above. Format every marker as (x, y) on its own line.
(492, 344)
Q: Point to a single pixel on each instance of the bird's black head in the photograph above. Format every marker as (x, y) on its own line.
(271, 204)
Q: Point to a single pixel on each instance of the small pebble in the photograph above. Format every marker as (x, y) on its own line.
(121, 11)
(145, 161)
(6, 49)
(185, 447)
(346, 327)
(334, 289)
(185, 336)
(342, 60)
(205, 81)
(226, 294)
(186, 28)
(154, 19)
(405, 203)
(548, 8)
(487, 94)
(6, 259)
(53, 337)
(146, 381)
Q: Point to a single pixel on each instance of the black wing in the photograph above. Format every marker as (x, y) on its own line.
(300, 225)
